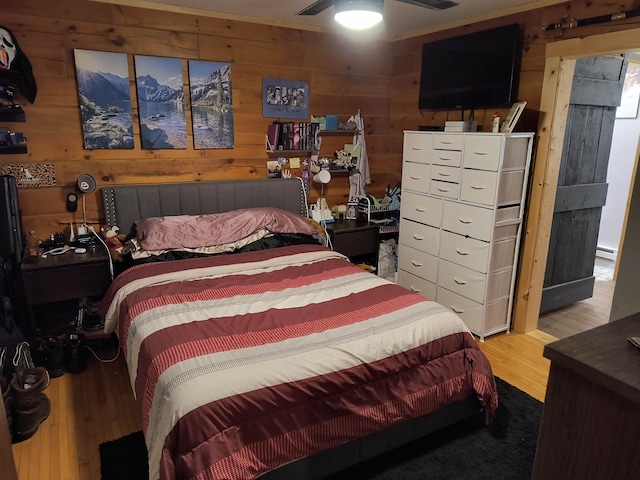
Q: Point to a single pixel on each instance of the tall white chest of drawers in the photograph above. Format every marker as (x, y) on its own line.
(463, 199)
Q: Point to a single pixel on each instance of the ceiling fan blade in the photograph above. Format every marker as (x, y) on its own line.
(433, 4)
(317, 7)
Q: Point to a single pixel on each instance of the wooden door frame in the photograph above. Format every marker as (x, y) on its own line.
(554, 104)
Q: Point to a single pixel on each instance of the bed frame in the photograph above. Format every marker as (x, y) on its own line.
(125, 204)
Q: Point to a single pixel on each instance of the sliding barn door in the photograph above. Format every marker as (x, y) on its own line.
(582, 187)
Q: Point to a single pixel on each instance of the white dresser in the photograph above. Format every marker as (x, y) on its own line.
(463, 197)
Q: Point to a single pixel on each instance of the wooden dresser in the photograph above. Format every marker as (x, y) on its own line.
(591, 420)
(463, 197)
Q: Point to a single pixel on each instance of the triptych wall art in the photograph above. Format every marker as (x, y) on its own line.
(106, 111)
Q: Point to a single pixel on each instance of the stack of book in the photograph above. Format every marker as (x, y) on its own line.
(293, 136)
(460, 126)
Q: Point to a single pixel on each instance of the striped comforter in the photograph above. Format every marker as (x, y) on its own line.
(244, 362)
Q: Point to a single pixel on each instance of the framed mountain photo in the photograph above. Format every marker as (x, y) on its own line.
(105, 99)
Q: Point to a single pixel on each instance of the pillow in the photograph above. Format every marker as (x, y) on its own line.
(194, 231)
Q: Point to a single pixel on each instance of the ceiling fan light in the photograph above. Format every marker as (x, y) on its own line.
(358, 14)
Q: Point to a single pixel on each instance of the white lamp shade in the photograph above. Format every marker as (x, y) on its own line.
(323, 176)
(358, 14)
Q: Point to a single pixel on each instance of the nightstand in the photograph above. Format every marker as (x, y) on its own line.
(58, 278)
(357, 240)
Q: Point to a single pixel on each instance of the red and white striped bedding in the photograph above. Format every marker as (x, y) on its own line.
(244, 362)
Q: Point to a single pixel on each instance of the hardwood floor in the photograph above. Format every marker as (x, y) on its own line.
(586, 314)
(97, 405)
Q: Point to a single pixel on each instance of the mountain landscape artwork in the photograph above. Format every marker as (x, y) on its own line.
(159, 86)
(211, 104)
(105, 99)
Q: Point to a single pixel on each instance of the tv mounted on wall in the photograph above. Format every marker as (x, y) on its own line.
(471, 71)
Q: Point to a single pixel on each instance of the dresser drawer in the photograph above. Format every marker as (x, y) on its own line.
(447, 157)
(417, 147)
(419, 236)
(462, 280)
(482, 152)
(417, 284)
(478, 186)
(416, 177)
(469, 220)
(445, 173)
(510, 187)
(421, 208)
(468, 310)
(465, 251)
(418, 263)
(445, 189)
(443, 141)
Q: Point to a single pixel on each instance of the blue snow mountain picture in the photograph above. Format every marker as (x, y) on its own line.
(211, 104)
(105, 99)
(160, 91)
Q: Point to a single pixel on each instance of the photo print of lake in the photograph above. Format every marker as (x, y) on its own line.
(105, 99)
(163, 123)
(211, 106)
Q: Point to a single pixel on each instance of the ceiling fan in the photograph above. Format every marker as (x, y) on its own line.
(321, 5)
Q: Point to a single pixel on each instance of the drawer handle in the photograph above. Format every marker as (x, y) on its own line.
(416, 149)
(481, 153)
(416, 264)
(459, 311)
(445, 142)
(444, 174)
(477, 187)
(415, 178)
(421, 209)
(414, 289)
(445, 158)
(465, 221)
(418, 237)
(460, 281)
(462, 252)
(441, 189)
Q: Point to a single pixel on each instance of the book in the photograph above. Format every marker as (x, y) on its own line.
(273, 136)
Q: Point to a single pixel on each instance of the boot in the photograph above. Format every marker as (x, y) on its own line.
(6, 399)
(30, 406)
(54, 356)
(75, 355)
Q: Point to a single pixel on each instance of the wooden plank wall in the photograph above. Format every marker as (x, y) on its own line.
(379, 78)
(344, 76)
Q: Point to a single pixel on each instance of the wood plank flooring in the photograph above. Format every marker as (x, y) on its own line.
(97, 405)
(586, 314)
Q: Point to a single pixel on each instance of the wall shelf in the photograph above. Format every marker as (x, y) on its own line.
(289, 153)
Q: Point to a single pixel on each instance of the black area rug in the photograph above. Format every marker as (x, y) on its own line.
(467, 450)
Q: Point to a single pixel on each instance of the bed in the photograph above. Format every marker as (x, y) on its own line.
(279, 361)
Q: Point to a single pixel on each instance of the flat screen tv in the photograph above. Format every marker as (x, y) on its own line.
(477, 70)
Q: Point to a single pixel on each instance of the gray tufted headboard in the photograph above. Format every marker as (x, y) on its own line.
(124, 204)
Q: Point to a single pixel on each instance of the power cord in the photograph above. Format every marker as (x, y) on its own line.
(101, 359)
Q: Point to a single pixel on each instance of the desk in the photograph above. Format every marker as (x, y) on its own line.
(64, 277)
(591, 420)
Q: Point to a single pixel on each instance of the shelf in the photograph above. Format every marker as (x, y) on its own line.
(10, 149)
(337, 132)
(13, 113)
(289, 153)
